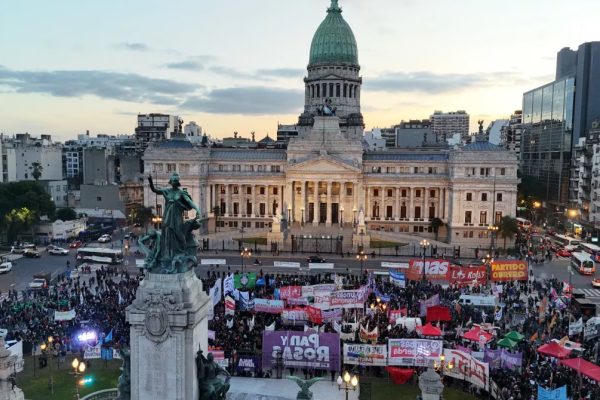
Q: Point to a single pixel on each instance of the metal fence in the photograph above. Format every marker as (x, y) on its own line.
(107, 394)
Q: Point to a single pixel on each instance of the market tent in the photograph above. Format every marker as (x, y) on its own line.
(438, 313)
(554, 349)
(507, 343)
(478, 335)
(515, 336)
(583, 367)
(429, 330)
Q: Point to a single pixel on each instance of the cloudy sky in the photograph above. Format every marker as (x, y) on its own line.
(70, 65)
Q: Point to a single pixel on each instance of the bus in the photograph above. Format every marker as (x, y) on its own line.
(99, 255)
(567, 242)
(582, 263)
(524, 224)
(592, 249)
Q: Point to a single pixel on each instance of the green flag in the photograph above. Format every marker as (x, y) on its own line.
(244, 281)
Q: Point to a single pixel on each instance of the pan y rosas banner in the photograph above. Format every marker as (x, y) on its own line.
(509, 270)
(302, 349)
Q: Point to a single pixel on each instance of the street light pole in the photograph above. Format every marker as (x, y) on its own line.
(424, 244)
(347, 383)
(361, 256)
(245, 253)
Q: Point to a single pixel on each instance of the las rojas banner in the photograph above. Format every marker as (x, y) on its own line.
(365, 354)
(418, 352)
(269, 306)
(302, 349)
(463, 276)
(434, 269)
(509, 270)
(466, 367)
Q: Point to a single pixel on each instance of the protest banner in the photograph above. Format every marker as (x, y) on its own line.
(302, 349)
(269, 306)
(92, 352)
(219, 357)
(216, 293)
(211, 334)
(309, 291)
(398, 279)
(368, 336)
(297, 301)
(591, 329)
(332, 315)
(244, 281)
(576, 327)
(64, 315)
(212, 261)
(286, 264)
(464, 276)
(434, 269)
(229, 306)
(413, 352)
(314, 315)
(348, 299)
(394, 265)
(393, 315)
(430, 302)
(365, 354)
(549, 394)
(288, 292)
(294, 316)
(509, 270)
(467, 368)
(228, 286)
(247, 364)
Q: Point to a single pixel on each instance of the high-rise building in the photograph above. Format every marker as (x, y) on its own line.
(156, 127)
(35, 156)
(445, 125)
(555, 117)
(511, 133)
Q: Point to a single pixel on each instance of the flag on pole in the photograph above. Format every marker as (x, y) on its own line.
(121, 301)
(109, 337)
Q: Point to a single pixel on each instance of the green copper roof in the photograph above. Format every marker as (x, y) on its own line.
(334, 42)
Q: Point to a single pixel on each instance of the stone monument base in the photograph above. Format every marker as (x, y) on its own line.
(168, 324)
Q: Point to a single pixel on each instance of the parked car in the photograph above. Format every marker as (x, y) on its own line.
(106, 238)
(29, 253)
(596, 283)
(17, 249)
(563, 253)
(315, 259)
(5, 267)
(76, 244)
(58, 251)
(38, 283)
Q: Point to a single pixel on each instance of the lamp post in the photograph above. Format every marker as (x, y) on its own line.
(424, 245)
(157, 220)
(492, 229)
(78, 369)
(442, 366)
(362, 257)
(347, 383)
(487, 261)
(245, 253)
(378, 306)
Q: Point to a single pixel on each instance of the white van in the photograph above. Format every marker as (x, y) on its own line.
(478, 300)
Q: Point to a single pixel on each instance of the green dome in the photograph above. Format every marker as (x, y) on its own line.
(334, 42)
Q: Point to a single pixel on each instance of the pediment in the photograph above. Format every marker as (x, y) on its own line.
(324, 164)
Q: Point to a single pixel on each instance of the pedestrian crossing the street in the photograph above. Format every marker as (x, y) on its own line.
(591, 292)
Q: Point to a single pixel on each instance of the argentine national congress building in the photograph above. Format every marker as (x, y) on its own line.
(326, 178)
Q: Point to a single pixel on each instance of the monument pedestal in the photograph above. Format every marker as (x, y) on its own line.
(7, 364)
(168, 323)
(360, 238)
(431, 385)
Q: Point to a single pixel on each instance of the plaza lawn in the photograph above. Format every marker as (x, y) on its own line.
(104, 375)
(385, 244)
(256, 240)
(382, 389)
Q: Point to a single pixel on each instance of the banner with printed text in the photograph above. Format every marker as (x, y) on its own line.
(435, 270)
(413, 352)
(215, 292)
(393, 315)
(302, 349)
(294, 316)
(467, 368)
(332, 315)
(314, 315)
(64, 315)
(228, 286)
(464, 276)
(509, 270)
(229, 306)
(92, 352)
(269, 306)
(290, 292)
(348, 299)
(365, 354)
(244, 281)
(398, 278)
(309, 291)
(322, 300)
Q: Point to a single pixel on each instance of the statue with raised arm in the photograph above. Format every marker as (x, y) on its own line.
(174, 248)
(304, 393)
(210, 386)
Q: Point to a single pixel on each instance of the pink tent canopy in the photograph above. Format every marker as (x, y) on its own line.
(583, 367)
(554, 349)
(429, 330)
(478, 335)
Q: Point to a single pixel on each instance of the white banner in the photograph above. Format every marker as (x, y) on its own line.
(467, 368)
(64, 315)
(322, 300)
(320, 265)
(576, 327)
(286, 264)
(215, 292)
(228, 285)
(418, 352)
(365, 354)
(308, 291)
(209, 261)
(16, 349)
(92, 352)
(394, 265)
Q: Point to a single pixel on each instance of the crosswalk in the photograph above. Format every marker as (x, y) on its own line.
(590, 292)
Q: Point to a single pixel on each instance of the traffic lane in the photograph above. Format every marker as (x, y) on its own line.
(558, 269)
(24, 269)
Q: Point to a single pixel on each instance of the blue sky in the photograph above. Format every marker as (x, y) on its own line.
(69, 66)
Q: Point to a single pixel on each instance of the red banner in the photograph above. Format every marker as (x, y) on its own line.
(509, 270)
(463, 276)
(400, 375)
(290, 292)
(393, 315)
(314, 315)
(434, 269)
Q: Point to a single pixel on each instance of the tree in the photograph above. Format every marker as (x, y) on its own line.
(436, 224)
(142, 215)
(36, 170)
(508, 227)
(18, 220)
(66, 214)
(14, 197)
